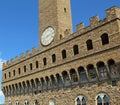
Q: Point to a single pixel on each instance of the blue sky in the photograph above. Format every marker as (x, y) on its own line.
(19, 24)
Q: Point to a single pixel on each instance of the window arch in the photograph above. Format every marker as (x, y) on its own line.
(89, 44)
(91, 72)
(73, 75)
(17, 102)
(35, 102)
(113, 68)
(52, 102)
(64, 54)
(82, 74)
(102, 70)
(9, 103)
(31, 66)
(75, 49)
(102, 99)
(66, 78)
(105, 39)
(80, 100)
(26, 103)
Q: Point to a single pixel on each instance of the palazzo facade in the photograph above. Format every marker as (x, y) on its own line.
(80, 68)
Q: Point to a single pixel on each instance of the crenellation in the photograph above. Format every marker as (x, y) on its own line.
(94, 21)
(34, 50)
(22, 56)
(28, 53)
(112, 13)
(80, 26)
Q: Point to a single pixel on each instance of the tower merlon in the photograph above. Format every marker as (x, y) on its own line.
(79, 26)
(112, 13)
(22, 56)
(94, 21)
(34, 50)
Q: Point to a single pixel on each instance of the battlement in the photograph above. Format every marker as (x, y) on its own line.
(111, 14)
(21, 57)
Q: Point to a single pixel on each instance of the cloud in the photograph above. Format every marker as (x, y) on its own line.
(1, 62)
(1, 93)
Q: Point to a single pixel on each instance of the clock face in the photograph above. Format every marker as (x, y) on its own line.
(47, 36)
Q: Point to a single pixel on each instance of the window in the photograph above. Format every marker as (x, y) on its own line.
(24, 68)
(17, 103)
(26, 103)
(31, 66)
(91, 72)
(105, 39)
(5, 75)
(102, 70)
(9, 74)
(102, 99)
(51, 102)
(19, 71)
(75, 49)
(73, 75)
(63, 54)
(89, 44)
(13, 72)
(80, 100)
(53, 58)
(44, 61)
(82, 74)
(37, 64)
(65, 10)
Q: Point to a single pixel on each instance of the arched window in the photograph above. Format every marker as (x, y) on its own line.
(66, 78)
(53, 58)
(17, 102)
(35, 102)
(59, 80)
(73, 75)
(26, 103)
(63, 54)
(80, 100)
(75, 49)
(13, 72)
(105, 39)
(89, 44)
(82, 74)
(102, 99)
(37, 64)
(52, 102)
(102, 70)
(91, 72)
(5, 75)
(9, 103)
(44, 61)
(48, 82)
(9, 74)
(113, 68)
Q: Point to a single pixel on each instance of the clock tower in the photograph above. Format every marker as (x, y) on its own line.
(54, 20)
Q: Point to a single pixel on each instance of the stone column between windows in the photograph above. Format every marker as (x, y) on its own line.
(98, 76)
(87, 74)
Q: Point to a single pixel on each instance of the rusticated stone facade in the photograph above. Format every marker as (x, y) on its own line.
(82, 68)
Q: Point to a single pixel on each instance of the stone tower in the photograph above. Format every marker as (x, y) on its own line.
(55, 19)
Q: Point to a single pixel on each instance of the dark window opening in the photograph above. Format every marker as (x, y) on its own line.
(37, 65)
(89, 44)
(19, 71)
(114, 83)
(105, 39)
(31, 66)
(53, 58)
(13, 72)
(44, 61)
(9, 74)
(5, 75)
(75, 49)
(65, 10)
(24, 68)
(63, 54)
